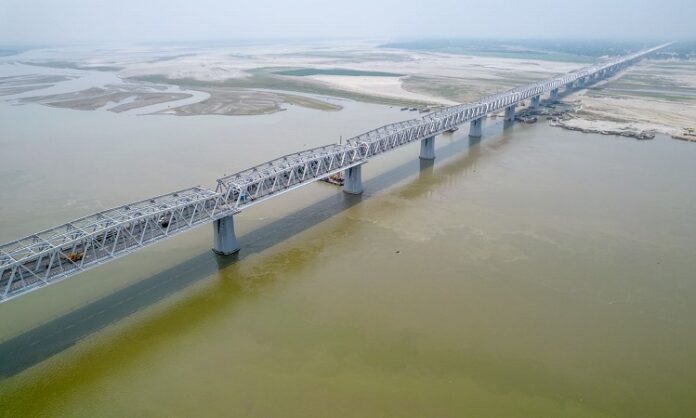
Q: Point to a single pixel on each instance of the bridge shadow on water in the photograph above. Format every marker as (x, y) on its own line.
(31, 347)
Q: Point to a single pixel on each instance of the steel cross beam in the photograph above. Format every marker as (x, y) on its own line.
(58, 253)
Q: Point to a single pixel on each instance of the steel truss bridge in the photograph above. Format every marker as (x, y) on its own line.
(52, 255)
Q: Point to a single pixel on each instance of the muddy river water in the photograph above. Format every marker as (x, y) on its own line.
(537, 272)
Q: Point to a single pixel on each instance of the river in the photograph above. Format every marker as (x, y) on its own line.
(538, 272)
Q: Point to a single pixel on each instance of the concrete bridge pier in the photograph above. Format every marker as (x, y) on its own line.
(553, 96)
(569, 87)
(510, 113)
(536, 100)
(224, 238)
(427, 150)
(427, 168)
(475, 129)
(352, 183)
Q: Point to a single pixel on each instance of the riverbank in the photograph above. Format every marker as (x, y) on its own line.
(260, 80)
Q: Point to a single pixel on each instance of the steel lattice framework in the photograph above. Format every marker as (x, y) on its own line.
(55, 254)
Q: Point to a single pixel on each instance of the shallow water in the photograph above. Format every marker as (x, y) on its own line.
(539, 272)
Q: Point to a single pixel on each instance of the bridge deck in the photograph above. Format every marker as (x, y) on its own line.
(52, 255)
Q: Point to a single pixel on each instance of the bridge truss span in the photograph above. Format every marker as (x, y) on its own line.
(286, 173)
(63, 251)
(55, 254)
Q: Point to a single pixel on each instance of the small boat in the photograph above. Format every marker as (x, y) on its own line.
(335, 179)
(452, 130)
(404, 108)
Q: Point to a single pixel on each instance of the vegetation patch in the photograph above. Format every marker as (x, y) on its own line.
(74, 66)
(261, 80)
(303, 72)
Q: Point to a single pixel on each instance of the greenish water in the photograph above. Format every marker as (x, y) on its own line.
(544, 50)
(570, 50)
(538, 273)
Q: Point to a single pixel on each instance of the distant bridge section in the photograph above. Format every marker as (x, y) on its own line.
(61, 252)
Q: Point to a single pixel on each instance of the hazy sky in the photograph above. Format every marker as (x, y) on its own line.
(86, 21)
